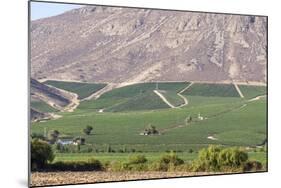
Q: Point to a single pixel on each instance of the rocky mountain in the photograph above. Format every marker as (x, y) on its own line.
(125, 45)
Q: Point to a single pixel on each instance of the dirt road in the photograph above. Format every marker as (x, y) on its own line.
(163, 98)
(179, 94)
(55, 178)
(238, 90)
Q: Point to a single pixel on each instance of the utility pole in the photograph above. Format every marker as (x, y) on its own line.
(156, 87)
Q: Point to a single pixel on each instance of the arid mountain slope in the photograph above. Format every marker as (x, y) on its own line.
(36, 115)
(56, 98)
(122, 45)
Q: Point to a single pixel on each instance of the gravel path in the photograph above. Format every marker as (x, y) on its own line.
(238, 90)
(179, 94)
(163, 98)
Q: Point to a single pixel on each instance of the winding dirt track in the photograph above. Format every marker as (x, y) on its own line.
(163, 98)
(179, 94)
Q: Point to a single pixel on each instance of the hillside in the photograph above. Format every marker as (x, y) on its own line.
(119, 116)
(82, 89)
(56, 98)
(122, 45)
(36, 115)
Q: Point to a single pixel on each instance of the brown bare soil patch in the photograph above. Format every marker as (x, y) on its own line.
(55, 178)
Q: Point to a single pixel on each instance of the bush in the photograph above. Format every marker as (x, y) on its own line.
(135, 163)
(116, 166)
(171, 158)
(120, 151)
(38, 136)
(53, 136)
(59, 147)
(137, 159)
(252, 166)
(150, 130)
(232, 157)
(167, 162)
(88, 130)
(215, 158)
(90, 165)
(41, 154)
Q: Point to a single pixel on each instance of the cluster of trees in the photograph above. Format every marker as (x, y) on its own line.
(215, 158)
(41, 149)
(150, 130)
(54, 135)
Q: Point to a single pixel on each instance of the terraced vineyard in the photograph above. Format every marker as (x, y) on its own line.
(252, 91)
(42, 106)
(214, 90)
(82, 89)
(226, 119)
(136, 97)
(172, 97)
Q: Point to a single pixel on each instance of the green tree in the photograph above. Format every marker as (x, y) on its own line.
(151, 130)
(88, 130)
(215, 158)
(37, 136)
(41, 154)
(53, 136)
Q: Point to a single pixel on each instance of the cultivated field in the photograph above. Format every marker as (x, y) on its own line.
(227, 118)
(151, 156)
(252, 91)
(82, 89)
(198, 115)
(42, 106)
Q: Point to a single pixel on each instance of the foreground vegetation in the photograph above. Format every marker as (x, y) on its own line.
(213, 158)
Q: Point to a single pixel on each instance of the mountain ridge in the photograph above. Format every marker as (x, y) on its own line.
(125, 45)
